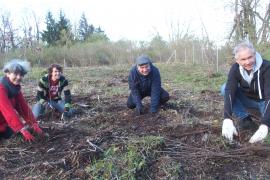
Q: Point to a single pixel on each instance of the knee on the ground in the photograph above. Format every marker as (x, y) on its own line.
(130, 106)
(165, 98)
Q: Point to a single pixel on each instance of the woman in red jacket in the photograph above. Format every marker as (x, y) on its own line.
(13, 104)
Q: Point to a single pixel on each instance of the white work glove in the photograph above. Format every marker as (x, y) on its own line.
(260, 134)
(228, 129)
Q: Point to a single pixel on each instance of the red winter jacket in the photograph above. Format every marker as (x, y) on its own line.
(11, 106)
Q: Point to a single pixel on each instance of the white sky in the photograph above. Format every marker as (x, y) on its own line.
(133, 19)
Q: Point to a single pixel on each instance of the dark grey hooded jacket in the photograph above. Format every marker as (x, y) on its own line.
(256, 87)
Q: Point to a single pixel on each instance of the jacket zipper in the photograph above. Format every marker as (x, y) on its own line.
(230, 101)
(265, 108)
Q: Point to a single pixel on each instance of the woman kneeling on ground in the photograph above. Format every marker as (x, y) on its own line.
(13, 104)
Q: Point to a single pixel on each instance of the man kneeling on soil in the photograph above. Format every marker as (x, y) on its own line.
(13, 104)
(144, 80)
(248, 86)
(49, 92)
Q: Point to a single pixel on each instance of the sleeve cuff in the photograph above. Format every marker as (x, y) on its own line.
(67, 105)
(41, 101)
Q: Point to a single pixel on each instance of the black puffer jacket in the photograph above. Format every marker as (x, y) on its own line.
(259, 89)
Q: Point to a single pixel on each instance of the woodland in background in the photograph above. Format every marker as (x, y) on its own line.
(105, 140)
(83, 44)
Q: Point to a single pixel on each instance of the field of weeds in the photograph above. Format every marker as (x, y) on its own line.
(106, 141)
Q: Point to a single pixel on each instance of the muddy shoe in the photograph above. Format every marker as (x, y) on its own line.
(247, 124)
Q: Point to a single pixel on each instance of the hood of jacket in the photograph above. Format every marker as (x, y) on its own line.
(258, 63)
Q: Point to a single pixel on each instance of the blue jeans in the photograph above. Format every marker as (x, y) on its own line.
(242, 102)
(39, 108)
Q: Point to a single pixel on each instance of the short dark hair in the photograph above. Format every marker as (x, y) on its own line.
(57, 66)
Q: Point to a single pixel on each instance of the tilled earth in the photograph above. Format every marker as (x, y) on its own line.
(190, 125)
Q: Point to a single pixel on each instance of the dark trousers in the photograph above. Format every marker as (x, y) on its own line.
(164, 97)
(6, 134)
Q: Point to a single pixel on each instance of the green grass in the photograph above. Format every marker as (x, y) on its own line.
(267, 140)
(174, 76)
(35, 73)
(170, 168)
(124, 161)
(192, 77)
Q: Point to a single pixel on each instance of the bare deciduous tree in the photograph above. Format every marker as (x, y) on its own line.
(7, 34)
(31, 30)
(249, 23)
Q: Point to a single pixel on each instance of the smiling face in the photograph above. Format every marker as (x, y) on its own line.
(245, 57)
(55, 74)
(144, 69)
(15, 78)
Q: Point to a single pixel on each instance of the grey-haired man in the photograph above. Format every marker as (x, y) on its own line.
(248, 86)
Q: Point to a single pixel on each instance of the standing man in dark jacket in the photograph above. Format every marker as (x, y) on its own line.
(248, 86)
(144, 80)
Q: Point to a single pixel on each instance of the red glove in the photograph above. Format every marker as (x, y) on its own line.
(27, 136)
(37, 129)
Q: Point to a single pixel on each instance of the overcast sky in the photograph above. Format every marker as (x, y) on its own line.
(134, 19)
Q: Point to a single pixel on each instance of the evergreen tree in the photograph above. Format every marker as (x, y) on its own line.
(64, 30)
(50, 35)
(63, 23)
(99, 30)
(85, 29)
(99, 34)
